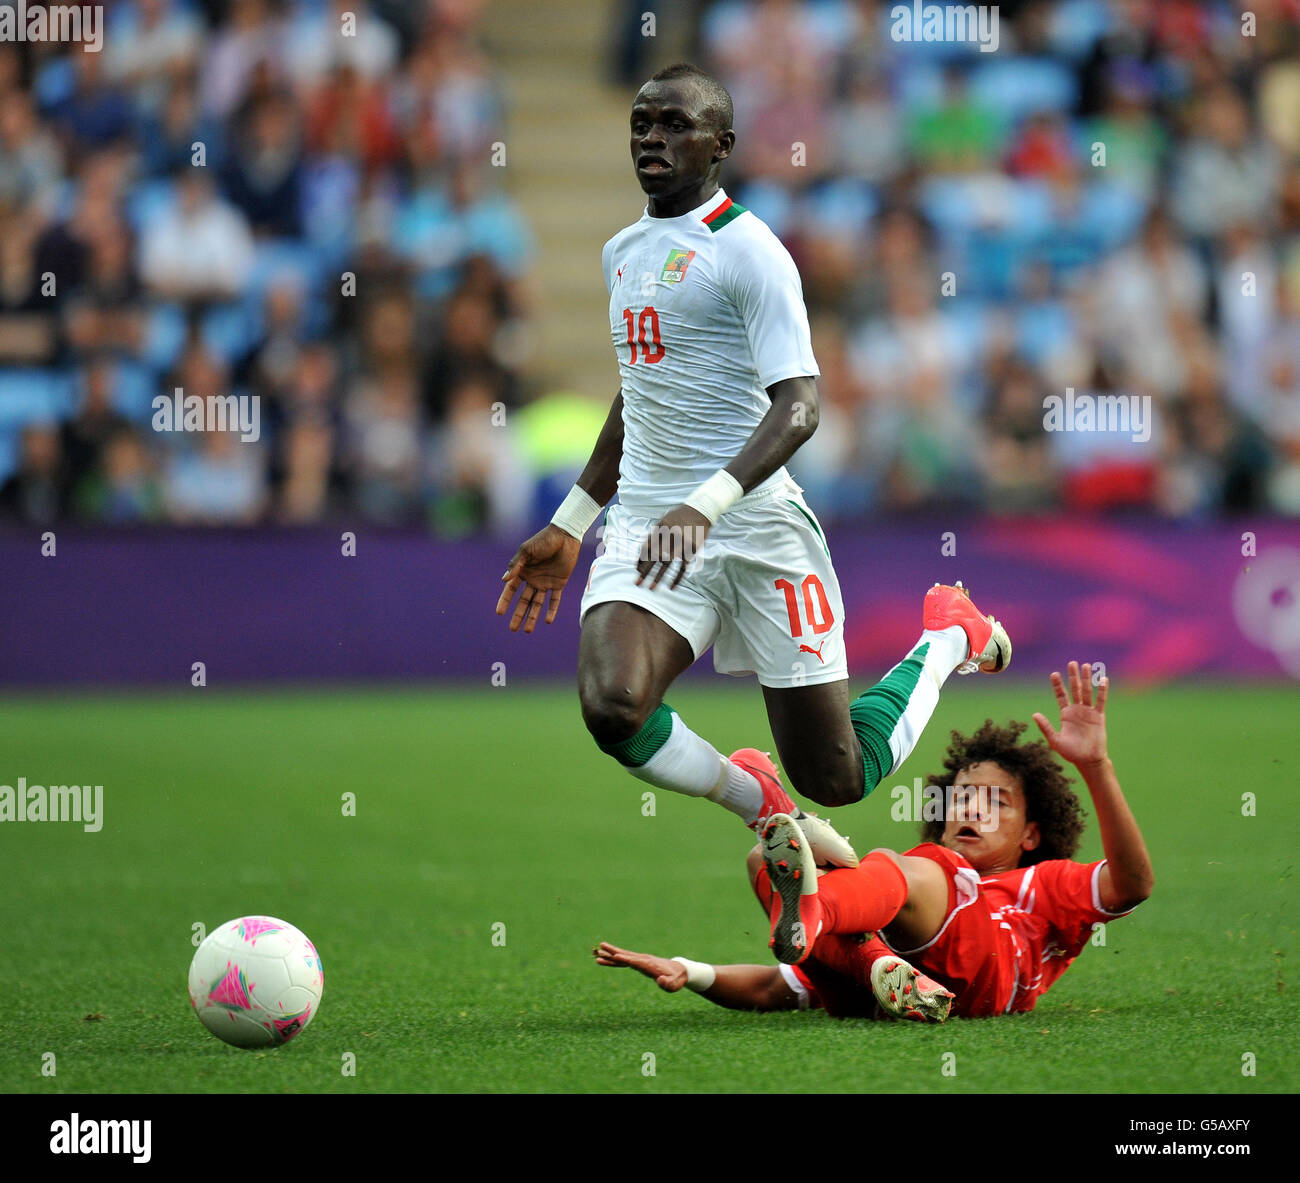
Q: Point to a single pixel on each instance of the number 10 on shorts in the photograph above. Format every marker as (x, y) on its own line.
(818, 616)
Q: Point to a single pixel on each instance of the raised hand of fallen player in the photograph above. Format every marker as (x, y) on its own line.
(675, 539)
(541, 566)
(668, 975)
(1082, 737)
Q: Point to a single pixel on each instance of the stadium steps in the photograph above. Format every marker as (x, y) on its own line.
(568, 169)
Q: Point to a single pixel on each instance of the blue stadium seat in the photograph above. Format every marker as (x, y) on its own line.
(164, 337)
(1017, 87)
(1075, 25)
(134, 388)
(33, 396)
(8, 454)
(147, 200)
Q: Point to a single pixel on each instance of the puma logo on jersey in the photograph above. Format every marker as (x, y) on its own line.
(817, 653)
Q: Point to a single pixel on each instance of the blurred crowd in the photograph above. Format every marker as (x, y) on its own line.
(232, 198)
(237, 197)
(1109, 204)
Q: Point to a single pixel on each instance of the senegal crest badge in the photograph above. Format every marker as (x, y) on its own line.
(675, 269)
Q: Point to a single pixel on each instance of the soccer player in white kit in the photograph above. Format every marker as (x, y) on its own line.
(711, 542)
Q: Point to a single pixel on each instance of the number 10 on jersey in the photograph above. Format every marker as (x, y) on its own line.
(652, 350)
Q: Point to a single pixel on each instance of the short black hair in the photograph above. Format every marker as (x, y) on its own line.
(1049, 800)
(717, 100)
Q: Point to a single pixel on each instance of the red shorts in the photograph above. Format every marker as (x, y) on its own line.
(971, 954)
(837, 974)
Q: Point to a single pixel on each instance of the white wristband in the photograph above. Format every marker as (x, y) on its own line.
(717, 495)
(699, 977)
(576, 513)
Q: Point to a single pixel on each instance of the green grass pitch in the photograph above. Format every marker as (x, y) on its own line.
(485, 807)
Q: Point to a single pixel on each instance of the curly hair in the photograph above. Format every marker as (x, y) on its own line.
(1049, 800)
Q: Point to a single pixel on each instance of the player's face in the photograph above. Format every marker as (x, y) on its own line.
(987, 823)
(673, 144)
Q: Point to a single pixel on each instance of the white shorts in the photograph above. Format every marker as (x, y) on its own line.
(762, 590)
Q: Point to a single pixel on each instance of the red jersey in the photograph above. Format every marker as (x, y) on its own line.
(1008, 936)
(1006, 939)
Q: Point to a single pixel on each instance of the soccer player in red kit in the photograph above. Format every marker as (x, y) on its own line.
(991, 906)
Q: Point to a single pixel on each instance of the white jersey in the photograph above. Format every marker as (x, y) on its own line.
(705, 312)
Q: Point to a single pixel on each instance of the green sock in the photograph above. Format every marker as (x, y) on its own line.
(654, 733)
(876, 713)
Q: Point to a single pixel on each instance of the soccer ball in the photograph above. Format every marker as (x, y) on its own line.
(256, 982)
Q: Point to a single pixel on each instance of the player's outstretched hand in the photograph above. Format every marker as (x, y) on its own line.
(668, 975)
(541, 566)
(1082, 737)
(676, 539)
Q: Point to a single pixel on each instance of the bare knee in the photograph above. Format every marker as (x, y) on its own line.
(828, 784)
(833, 793)
(612, 716)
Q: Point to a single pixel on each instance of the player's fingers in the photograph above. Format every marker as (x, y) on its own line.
(521, 608)
(534, 609)
(639, 962)
(643, 559)
(1058, 688)
(1074, 681)
(1102, 690)
(507, 594)
(681, 574)
(659, 553)
(554, 606)
(652, 550)
(1086, 682)
(1049, 732)
(647, 562)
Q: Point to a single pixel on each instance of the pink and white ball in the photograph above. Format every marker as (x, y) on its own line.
(256, 982)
